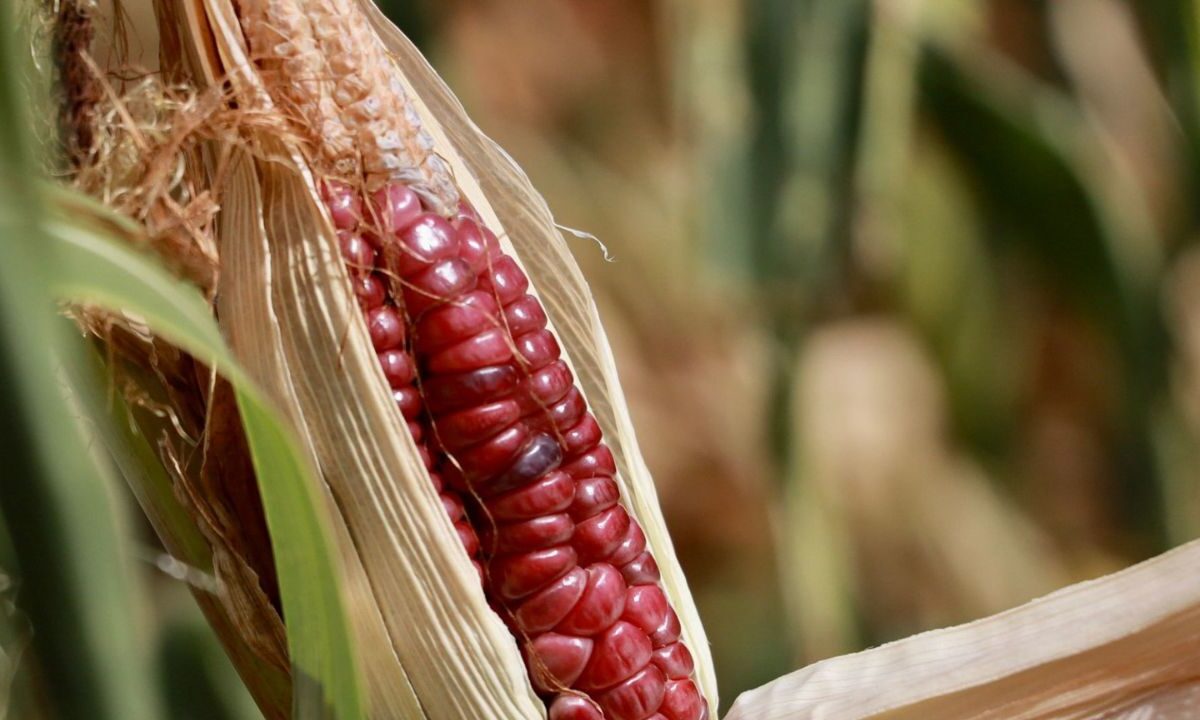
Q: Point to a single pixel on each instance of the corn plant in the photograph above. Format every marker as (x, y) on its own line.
(344, 360)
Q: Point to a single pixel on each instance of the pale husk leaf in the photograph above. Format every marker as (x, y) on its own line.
(256, 339)
(1124, 645)
(503, 195)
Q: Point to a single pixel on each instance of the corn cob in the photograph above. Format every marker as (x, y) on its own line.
(332, 72)
(494, 408)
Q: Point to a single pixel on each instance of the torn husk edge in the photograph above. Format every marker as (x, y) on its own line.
(1123, 645)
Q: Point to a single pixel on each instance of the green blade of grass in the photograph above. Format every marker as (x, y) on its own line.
(65, 526)
(66, 531)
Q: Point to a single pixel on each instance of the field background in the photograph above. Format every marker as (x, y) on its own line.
(905, 296)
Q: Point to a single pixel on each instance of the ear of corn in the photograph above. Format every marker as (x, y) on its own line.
(326, 99)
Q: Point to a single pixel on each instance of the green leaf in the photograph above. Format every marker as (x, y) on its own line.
(66, 527)
(104, 271)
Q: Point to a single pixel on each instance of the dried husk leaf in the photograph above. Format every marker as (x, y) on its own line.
(247, 314)
(1125, 645)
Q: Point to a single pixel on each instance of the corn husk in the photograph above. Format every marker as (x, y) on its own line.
(1124, 646)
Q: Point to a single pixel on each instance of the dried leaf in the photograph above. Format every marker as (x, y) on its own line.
(1123, 645)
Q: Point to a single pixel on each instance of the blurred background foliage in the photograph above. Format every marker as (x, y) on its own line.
(902, 291)
(904, 294)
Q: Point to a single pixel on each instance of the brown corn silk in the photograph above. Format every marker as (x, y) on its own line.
(369, 114)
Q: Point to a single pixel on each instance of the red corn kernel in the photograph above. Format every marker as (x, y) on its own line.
(538, 348)
(441, 282)
(490, 347)
(545, 387)
(473, 244)
(592, 495)
(642, 571)
(555, 661)
(524, 315)
(450, 392)
(452, 505)
(631, 546)
(465, 211)
(466, 534)
(668, 632)
(531, 534)
(505, 279)
(455, 321)
(356, 251)
(598, 461)
(601, 604)
(674, 660)
(417, 430)
(466, 427)
(574, 707)
(646, 606)
(541, 455)
(598, 537)
(635, 699)
(436, 480)
(345, 207)
(681, 701)
(489, 458)
(396, 207)
(515, 576)
(552, 493)
(408, 399)
(370, 291)
(397, 368)
(423, 242)
(621, 651)
(548, 606)
(562, 414)
(582, 436)
(386, 328)
(426, 456)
